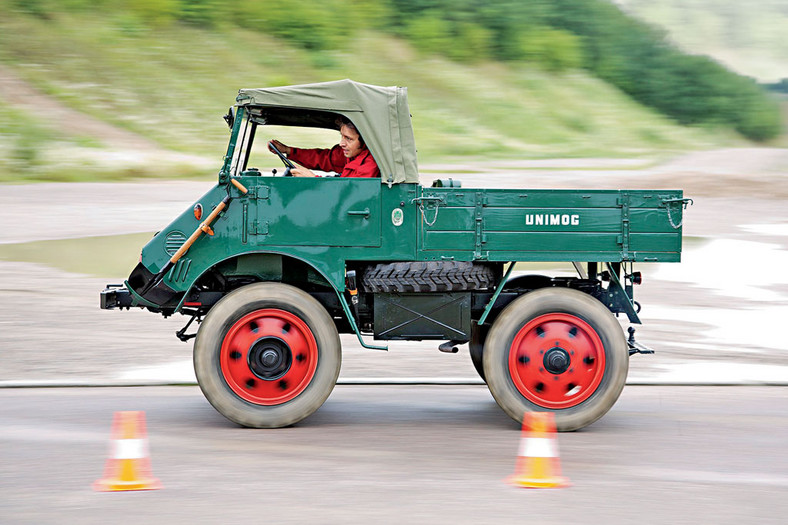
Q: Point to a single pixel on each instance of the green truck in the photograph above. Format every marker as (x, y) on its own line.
(274, 268)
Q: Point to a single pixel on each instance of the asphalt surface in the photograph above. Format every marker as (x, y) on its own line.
(394, 454)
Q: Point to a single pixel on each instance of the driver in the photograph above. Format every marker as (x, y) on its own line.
(349, 158)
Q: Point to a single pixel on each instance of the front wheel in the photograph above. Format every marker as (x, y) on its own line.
(557, 350)
(267, 355)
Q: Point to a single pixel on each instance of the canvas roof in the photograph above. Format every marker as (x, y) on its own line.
(380, 114)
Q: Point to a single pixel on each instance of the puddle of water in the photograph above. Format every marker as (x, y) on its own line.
(744, 330)
(779, 230)
(735, 268)
(112, 256)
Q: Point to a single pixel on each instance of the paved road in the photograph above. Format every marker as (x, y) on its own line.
(392, 454)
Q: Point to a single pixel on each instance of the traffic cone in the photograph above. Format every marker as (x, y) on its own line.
(538, 464)
(128, 465)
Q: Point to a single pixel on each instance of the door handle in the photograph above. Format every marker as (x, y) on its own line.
(360, 213)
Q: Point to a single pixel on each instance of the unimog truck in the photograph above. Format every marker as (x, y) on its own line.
(274, 268)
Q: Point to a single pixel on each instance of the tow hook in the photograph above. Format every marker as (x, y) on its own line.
(634, 346)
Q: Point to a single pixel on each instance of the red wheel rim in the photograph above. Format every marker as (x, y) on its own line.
(557, 361)
(269, 357)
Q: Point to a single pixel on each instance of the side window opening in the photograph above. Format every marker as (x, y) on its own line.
(254, 150)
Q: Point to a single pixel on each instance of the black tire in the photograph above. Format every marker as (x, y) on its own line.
(428, 276)
(555, 340)
(476, 347)
(267, 355)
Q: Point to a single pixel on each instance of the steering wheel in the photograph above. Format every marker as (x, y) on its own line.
(289, 165)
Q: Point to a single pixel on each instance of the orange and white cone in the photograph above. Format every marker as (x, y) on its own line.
(128, 465)
(538, 463)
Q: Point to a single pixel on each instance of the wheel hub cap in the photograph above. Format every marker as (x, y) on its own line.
(557, 361)
(268, 357)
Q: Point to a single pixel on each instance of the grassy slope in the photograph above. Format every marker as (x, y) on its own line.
(172, 85)
(749, 37)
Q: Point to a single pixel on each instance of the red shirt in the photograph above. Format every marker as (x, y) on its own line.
(362, 165)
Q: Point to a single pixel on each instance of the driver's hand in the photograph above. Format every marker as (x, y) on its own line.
(281, 147)
(300, 171)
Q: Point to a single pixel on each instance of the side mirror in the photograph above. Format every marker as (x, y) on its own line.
(230, 118)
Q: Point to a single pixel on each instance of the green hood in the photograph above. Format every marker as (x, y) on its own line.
(380, 114)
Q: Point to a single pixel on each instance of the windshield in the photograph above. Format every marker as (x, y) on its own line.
(243, 141)
(251, 145)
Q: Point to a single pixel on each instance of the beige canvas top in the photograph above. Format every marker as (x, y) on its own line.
(380, 114)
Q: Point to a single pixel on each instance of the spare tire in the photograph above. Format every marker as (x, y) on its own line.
(428, 276)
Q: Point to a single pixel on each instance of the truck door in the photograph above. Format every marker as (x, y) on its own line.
(327, 211)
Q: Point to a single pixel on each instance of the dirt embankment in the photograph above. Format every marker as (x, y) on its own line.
(16, 92)
(120, 145)
(759, 173)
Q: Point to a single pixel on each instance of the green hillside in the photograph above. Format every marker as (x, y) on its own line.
(749, 37)
(170, 81)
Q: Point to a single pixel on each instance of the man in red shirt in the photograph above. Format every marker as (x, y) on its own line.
(349, 158)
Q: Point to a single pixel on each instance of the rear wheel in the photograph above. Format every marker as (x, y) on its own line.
(557, 350)
(267, 355)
